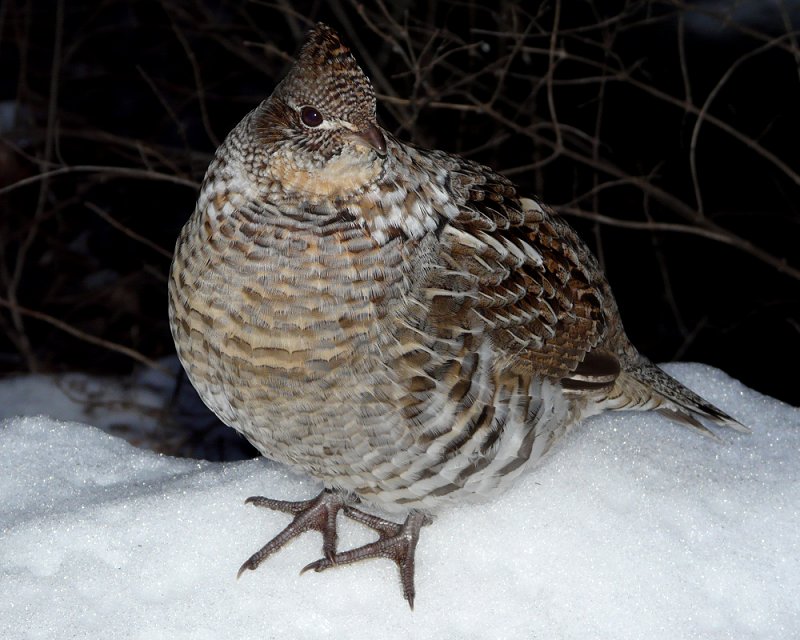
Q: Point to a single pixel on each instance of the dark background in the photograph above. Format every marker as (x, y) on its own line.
(667, 132)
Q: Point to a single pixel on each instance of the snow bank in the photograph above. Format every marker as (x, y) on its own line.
(633, 528)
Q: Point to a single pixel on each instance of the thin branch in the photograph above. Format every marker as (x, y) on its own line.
(127, 231)
(115, 172)
(87, 337)
(712, 233)
(14, 279)
(702, 114)
(198, 81)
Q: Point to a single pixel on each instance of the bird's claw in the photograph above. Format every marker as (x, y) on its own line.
(397, 542)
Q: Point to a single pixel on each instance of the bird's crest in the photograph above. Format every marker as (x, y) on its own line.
(327, 76)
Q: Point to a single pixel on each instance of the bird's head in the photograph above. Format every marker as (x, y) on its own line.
(318, 128)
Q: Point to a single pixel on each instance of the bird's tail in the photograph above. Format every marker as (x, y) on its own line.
(646, 386)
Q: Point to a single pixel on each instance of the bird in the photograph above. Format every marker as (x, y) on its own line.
(401, 324)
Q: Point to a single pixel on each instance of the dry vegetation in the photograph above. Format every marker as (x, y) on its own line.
(667, 132)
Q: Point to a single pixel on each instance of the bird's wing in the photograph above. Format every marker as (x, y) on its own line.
(514, 266)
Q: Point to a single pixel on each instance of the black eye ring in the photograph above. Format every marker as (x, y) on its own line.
(310, 116)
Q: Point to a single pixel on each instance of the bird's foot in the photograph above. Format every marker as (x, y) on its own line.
(397, 542)
(317, 514)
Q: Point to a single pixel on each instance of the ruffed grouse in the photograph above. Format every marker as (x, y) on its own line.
(399, 323)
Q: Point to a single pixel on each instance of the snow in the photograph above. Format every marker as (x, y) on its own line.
(633, 528)
(109, 403)
(145, 408)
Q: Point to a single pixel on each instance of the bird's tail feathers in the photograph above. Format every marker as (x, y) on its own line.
(646, 386)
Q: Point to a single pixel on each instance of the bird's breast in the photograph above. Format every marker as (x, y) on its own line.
(284, 306)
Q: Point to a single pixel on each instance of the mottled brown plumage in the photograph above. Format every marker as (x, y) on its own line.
(399, 323)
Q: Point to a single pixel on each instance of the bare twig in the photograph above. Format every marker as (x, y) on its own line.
(198, 81)
(86, 337)
(712, 232)
(114, 172)
(14, 279)
(127, 231)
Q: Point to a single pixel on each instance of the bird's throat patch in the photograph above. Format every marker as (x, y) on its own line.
(343, 175)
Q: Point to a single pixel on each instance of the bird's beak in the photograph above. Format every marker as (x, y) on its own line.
(374, 137)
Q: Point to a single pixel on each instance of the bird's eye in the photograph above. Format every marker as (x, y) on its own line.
(310, 117)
